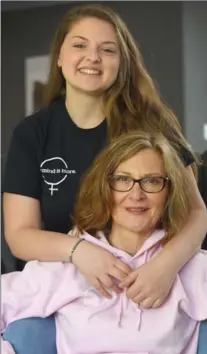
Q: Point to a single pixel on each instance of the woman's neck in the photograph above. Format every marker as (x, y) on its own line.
(86, 111)
(127, 240)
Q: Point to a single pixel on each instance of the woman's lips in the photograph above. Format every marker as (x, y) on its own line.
(87, 71)
(137, 210)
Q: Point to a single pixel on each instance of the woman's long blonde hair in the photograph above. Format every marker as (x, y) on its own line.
(94, 205)
(133, 101)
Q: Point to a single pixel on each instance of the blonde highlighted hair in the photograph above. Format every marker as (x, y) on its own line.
(94, 204)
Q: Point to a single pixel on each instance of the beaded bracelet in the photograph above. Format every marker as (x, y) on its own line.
(74, 248)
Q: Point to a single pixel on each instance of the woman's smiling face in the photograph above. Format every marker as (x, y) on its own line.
(136, 210)
(90, 56)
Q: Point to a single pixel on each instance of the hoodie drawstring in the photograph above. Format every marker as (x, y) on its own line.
(123, 304)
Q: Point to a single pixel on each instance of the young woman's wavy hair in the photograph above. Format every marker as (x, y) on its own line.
(133, 102)
(94, 205)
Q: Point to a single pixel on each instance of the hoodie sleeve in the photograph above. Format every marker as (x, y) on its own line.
(193, 277)
(39, 290)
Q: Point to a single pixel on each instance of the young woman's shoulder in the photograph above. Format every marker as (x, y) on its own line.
(39, 122)
(22, 169)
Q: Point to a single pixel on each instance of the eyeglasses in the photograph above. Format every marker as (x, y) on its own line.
(122, 183)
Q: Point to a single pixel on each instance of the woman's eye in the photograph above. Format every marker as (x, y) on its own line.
(153, 180)
(108, 50)
(79, 45)
(123, 179)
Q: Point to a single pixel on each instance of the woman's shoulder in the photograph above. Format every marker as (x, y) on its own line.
(38, 121)
(200, 257)
(193, 285)
(195, 268)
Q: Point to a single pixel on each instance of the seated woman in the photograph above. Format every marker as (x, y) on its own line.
(133, 200)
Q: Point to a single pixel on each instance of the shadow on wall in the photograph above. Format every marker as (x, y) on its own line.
(38, 95)
(8, 261)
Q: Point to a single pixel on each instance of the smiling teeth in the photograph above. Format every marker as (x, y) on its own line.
(90, 71)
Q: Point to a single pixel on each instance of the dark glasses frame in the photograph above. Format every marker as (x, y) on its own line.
(164, 179)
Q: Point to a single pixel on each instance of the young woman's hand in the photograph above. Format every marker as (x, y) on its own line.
(101, 268)
(150, 284)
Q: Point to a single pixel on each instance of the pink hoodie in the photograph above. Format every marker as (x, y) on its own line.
(87, 323)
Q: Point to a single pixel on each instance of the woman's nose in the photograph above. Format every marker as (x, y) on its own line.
(136, 192)
(93, 55)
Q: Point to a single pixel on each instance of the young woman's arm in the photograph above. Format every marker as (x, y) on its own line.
(151, 283)
(22, 222)
(181, 248)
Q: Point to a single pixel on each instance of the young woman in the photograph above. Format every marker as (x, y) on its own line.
(98, 88)
(134, 200)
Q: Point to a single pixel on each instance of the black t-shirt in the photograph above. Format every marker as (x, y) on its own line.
(47, 157)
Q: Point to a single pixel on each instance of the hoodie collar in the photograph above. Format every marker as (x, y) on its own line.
(102, 241)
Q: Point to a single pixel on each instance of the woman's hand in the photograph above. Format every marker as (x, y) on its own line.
(101, 268)
(150, 284)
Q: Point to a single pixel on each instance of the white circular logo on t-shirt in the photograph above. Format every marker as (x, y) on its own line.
(54, 172)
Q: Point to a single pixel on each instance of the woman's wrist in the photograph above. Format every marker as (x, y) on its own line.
(74, 249)
(166, 260)
(67, 246)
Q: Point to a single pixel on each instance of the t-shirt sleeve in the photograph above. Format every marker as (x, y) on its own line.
(183, 151)
(22, 172)
(186, 156)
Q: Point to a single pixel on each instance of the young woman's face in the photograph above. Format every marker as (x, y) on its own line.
(90, 56)
(136, 210)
